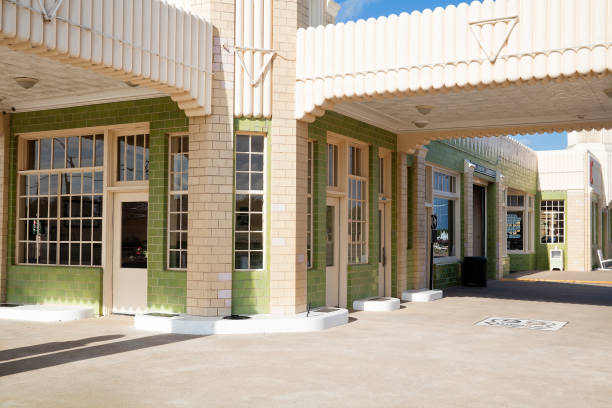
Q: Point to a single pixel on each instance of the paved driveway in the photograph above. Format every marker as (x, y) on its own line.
(424, 355)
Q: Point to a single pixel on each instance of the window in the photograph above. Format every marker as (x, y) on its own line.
(519, 222)
(249, 221)
(133, 158)
(332, 165)
(178, 202)
(60, 201)
(309, 206)
(381, 175)
(552, 221)
(357, 214)
(444, 208)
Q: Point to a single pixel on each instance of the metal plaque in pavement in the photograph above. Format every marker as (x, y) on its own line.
(548, 325)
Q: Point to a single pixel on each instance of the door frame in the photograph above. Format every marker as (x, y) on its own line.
(138, 194)
(385, 206)
(484, 185)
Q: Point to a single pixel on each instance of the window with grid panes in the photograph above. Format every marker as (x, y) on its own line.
(357, 215)
(332, 165)
(178, 205)
(552, 221)
(249, 220)
(60, 201)
(445, 207)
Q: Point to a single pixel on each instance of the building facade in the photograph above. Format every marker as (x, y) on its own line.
(184, 183)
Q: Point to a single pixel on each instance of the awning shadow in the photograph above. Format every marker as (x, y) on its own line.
(45, 348)
(538, 292)
(102, 350)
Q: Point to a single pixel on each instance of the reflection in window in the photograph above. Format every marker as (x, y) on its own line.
(60, 202)
(178, 205)
(552, 221)
(133, 158)
(443, 209)
(514, 230)
(249, 221)
(134, 234)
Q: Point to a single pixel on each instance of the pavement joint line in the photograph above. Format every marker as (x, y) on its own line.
(555, 281)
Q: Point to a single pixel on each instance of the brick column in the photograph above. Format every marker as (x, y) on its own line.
(402, 223)
(501, 221)
(211, 163)
(289, 158)
(4, 183)
(420, 223)
(468, 208)
(578, 230)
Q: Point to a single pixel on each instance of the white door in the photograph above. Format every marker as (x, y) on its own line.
(332, 259)
(130, 216)
(382, 254)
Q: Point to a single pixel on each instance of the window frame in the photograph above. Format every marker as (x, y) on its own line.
(263, 193)
(181, 193)
(528, 219)
(454, 196)
(363, 177)
(553, 212)
(309, 205)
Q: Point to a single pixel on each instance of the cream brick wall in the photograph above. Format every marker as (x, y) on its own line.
(289, 168)
(402, 223)
(4, 138)
(578, 231)
(211, 164)
(420, 233)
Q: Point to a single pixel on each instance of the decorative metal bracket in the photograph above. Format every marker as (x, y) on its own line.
(511, 22)
(50, 14)
(269, 56)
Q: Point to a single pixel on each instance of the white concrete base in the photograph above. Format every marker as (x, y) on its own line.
(422, 295)
(197, 325)
(46, 313)
(377, 304)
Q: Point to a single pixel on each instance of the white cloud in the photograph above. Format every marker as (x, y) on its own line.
(351, 9)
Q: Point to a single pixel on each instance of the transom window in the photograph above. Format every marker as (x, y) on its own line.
(133, 157)
(60, 201)
(249, 222)
(552, 221)
(444, 182)
(357, 214)
(178, 205)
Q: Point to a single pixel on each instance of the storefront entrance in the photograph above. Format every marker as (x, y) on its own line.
(479, 220)
(130, 215)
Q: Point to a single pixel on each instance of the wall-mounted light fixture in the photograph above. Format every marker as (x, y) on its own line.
(26, 82)
(421, 123)
(424, 109)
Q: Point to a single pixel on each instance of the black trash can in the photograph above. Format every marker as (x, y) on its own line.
(474, 271)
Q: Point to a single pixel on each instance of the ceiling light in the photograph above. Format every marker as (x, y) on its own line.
(421, 123)
(26, 82)
(581, 116)
(608, 92)
(424, 109)
(131, 84)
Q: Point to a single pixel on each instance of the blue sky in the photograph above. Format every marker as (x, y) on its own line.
(356, 9)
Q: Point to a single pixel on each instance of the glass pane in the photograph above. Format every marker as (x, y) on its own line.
(330, 236)
(75, 206)
(97, 255)
(242, 222)
(256, 260)
(64, 254)
(139, 170)
(97, 230)
(86, 231)
(514, 230)
(53, 181)
(184, 181)
(121, 158)
(87, 151)
(242, 143)
(185, 203)
(242, 162)
(87, 180)
(64, 230)
(256, 222)
(257, 144)
(257, 162)
(75, 230)
(44, 184)
(75, 254)
(72, 152)
(134, 234)
(242, 241)
(175, 240)
(75, 187)
(256, 181)
(175, 203)
(32, 185)
(43, 208)
(242, 202)
(99, 150)
(129, 158)
(174, 259)
(256, 241)
(87, 206)
(59, 159)
(98, 182)
(97, 206)
(45, 154)
(32, 155)
(86, 254)
(242, 181)
(257, 203)
(241, 260)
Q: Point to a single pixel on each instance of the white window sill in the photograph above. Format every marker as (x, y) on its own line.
(514, 252)
(446, 260)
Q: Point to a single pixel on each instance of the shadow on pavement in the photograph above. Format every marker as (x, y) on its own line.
(538, 292)
(52, 347)
(102, 350)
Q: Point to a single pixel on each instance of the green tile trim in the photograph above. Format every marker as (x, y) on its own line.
(167, 289)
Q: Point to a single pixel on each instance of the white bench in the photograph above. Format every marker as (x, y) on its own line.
(603, 263)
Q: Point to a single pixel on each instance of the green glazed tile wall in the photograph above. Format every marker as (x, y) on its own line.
(447, 275)
(166, 289)
(251, 289)
(362, 280)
